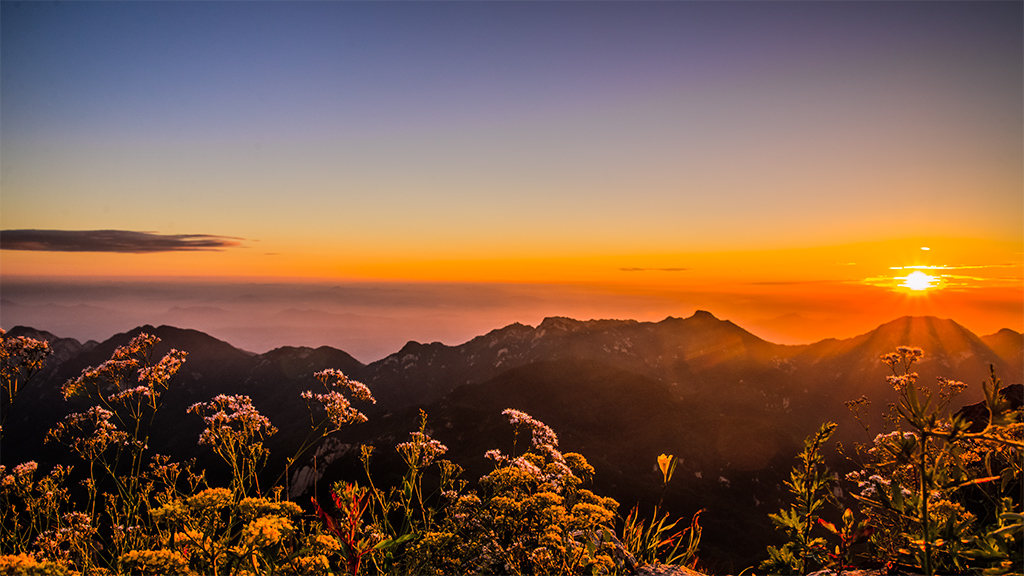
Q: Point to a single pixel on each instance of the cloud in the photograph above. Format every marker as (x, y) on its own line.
(653, 269)
(968, 267)
(110, 241)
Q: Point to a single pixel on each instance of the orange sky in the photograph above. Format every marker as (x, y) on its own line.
(788, 296)
(779, 164)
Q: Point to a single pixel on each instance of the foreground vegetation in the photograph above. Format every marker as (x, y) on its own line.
(933, 494)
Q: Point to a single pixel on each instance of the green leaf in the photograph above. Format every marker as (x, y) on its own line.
(392, 542)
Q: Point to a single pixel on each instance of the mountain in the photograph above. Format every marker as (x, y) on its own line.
(673, 350)
(733, 406)
(1007, 344)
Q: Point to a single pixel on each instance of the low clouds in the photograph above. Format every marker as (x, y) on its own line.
(123, 241)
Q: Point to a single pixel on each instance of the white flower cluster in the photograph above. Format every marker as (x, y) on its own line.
(21, 353)
(869, 485)
(226, 416)
(92, 431)
(138, 393)
(124, 360)
(22, 473)
(421, 451)
(333, 378)
(900, 383)
(75, 533)
(339, 409)
(160, 373)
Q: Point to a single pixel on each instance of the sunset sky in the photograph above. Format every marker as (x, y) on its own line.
(783, 165)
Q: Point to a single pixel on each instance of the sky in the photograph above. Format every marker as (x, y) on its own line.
(784, 165)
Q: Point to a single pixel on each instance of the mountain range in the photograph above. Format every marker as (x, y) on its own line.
(734, 407)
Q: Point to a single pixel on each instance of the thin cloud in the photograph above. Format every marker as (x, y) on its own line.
(788, 282)
(653, 269)
(967, 267)
(124, 241)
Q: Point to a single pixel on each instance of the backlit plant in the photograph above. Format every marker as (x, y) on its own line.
(934, 494)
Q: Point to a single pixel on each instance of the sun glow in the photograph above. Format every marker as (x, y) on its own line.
(918, 280)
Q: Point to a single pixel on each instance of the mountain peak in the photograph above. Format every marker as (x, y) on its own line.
(560, 323)
(702, 315)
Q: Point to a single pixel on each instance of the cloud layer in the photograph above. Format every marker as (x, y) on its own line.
(110, 241)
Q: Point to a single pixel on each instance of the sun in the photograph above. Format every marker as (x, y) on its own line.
(918, 280)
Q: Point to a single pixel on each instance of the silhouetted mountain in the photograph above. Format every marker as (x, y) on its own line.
(672, 350)
(1009, 345)
(733, 406)
(64, 349)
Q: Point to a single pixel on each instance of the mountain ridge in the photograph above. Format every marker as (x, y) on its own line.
(733, 406)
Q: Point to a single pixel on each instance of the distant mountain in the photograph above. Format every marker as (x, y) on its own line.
(64, 349)
(733, 406)
(1007, 344)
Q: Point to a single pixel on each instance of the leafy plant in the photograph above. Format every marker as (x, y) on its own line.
(926, 487)
(658, 541)
(851, 532)
(809, 482)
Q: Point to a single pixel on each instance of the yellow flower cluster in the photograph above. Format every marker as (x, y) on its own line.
(25, 565)
(171, 512)
(211, 498)
(188, 538)
(308, 565)
(266, 531)
(252, 508)
(155, 562)
(327, 543)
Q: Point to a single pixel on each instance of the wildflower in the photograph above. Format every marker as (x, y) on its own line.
(312, 565)
(332, 378)
(862, 401)
(951, 388)
(155, 561)
(123, 362)
(328, 543)
(170, 512)
(92, 432)
(496, 455)
(421, 451)
(911, 353)
(339, 409)
(541, 434)
(586, 515)
(266, 531)
(231, 416)
(74, 535)
(526, 466)
(891, 358)
(25, 564)
(210, 498)
(900, 383)
(667, 463)
(142, 392)
(26, 469)
(161, 373)
(254, 507)
(20, 358)
(188, 537)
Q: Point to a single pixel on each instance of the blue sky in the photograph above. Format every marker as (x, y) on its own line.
(531, 142)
